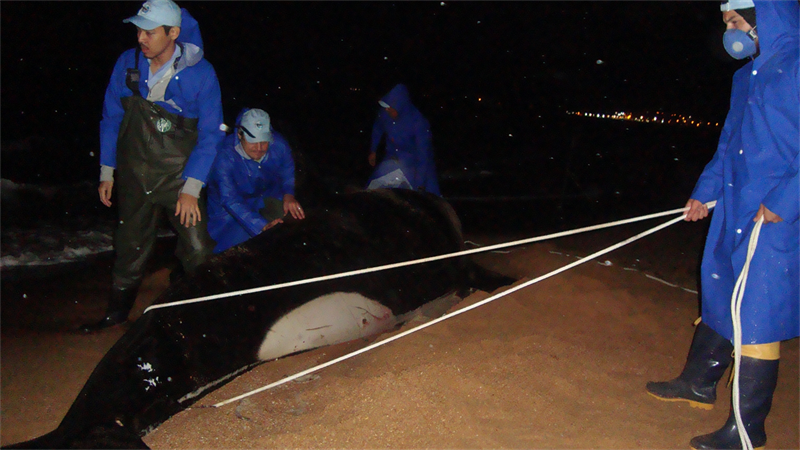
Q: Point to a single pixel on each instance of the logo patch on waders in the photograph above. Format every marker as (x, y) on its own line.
(163, 125)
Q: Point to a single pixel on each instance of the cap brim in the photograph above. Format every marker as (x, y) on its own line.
(260, 137)
(142, 23)
(736, 4)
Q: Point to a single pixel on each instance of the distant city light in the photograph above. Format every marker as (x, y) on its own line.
(659, 117)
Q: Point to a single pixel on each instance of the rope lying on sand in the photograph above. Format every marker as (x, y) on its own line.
(485, 301)
(420, 261)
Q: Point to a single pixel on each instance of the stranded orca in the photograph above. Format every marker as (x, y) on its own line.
(172, 356)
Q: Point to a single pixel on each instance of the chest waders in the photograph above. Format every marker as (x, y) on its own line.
(153, 147)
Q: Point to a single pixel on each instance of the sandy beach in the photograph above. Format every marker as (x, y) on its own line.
(558, 364)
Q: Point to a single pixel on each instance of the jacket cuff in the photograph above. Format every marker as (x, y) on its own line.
(106, 173)
(192, 187)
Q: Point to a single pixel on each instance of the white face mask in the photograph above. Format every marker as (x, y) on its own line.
(740, 44)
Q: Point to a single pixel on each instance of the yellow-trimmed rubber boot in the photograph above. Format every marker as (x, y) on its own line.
(757, 381)
(709, 357)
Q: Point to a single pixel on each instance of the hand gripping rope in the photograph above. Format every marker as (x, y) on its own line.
(455, 313)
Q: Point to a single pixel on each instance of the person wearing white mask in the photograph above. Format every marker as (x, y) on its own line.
(752, 176)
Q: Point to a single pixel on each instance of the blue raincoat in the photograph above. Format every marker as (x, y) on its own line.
(757, 162)
(193, 92)
(408, 142)
(238, 185)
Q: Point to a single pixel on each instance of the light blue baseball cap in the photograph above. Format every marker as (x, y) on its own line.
(156, 13)
(255, 126)
(736, 4)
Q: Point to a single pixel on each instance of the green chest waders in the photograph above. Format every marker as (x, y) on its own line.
(152, 150)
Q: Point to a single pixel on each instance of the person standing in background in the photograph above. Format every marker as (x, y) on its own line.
(408, 162)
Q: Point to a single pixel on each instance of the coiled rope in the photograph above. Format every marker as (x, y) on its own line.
(487, 300)
(736, 318)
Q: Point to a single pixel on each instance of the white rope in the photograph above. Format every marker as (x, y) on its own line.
(736, 317)
(418, 261)
(460, 311)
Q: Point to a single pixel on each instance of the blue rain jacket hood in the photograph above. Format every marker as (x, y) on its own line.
(193, 92)
(238, 186)
(408, 140)
(756, 163)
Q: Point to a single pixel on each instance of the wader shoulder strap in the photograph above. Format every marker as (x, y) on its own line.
(132, 75)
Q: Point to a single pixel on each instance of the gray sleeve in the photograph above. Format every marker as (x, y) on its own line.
(192, 187)
(106, 173)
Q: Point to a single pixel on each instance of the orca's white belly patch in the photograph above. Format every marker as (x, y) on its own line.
(326, 320)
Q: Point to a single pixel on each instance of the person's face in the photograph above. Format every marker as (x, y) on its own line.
(392, 112)
(733, 21)
(255, 150)
(156, 42)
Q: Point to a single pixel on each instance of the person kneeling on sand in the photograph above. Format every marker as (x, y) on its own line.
(251, 186)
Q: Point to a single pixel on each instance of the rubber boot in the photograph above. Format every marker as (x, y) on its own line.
(119, 305)
(757, 381)
(709, 357)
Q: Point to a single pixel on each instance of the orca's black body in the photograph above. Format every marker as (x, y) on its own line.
(173, 356)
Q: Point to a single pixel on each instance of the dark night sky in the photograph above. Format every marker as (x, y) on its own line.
(300, 60)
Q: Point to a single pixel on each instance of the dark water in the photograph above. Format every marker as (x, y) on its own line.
(588, 171)
(553, 175)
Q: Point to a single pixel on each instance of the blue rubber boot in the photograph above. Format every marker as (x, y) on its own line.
(709, 357)
(757, 381)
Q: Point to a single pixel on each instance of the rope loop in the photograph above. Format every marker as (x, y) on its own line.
(736, 318)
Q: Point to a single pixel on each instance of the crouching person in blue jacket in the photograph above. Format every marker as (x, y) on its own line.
(251, 185)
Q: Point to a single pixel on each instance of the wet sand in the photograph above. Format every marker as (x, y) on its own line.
(559, 364)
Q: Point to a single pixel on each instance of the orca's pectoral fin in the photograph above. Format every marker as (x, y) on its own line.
(483, 279)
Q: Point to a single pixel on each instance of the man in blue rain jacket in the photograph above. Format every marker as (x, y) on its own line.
(158, 138)
(251, 186)
(409, 152)
(753, 175)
